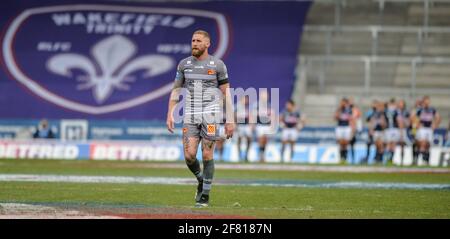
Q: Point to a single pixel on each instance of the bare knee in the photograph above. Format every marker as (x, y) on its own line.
(249, 140)
(423, 145)
(262, 141)
(380, 146)
(207, 154)
(208, 149)
(189, 157)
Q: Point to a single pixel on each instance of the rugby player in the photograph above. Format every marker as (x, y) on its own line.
(292, 121)
(378, 123)
(244, 128)
(345, 122)
(200, 75)
(428, 120)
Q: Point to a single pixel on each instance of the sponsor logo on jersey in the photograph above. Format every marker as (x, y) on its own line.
(211, 129)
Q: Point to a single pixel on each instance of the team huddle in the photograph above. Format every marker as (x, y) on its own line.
(389, 124)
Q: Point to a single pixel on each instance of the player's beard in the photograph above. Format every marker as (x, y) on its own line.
(197, 52)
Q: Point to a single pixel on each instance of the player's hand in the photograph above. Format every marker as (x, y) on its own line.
(229, 129)
(170, 124)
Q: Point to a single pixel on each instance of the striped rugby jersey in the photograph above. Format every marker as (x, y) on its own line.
(198, 78)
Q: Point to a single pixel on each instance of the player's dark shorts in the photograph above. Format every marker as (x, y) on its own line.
(212, 132)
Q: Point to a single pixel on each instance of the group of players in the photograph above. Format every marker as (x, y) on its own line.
(389, 124)
(253, 121)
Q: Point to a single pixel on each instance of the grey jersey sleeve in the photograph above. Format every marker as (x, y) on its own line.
(222, 74)
(179, 77)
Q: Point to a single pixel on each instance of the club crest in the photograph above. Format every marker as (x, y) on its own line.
(98, 59)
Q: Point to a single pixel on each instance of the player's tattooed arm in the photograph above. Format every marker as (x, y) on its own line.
(172, 103)
(177, 84)
(174, 98)
(229, 110)
(229, 113)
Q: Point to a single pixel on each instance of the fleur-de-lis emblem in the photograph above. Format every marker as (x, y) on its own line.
(112, 66)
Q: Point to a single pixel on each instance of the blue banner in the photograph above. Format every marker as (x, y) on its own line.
(104, 60)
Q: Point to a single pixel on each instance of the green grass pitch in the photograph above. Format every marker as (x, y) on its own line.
(242, 200)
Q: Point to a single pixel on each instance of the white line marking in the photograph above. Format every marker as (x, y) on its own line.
(188, 181)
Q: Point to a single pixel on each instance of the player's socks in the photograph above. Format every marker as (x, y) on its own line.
(246, 152)
(292, 153)
(415, 154)
(419, 155)
(402, 154)
(378, 157)
(352, 148)
(195, 169)
(344, 154)
(262, 150)
(239, 151)
(208, 172)
(426, 156)
(282, 153)
(221, 154)
(367, 153)
(390, 156)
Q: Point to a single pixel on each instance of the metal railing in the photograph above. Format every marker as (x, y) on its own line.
(374, 31)
(426, 7)
(306, 61)
(339, 4)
